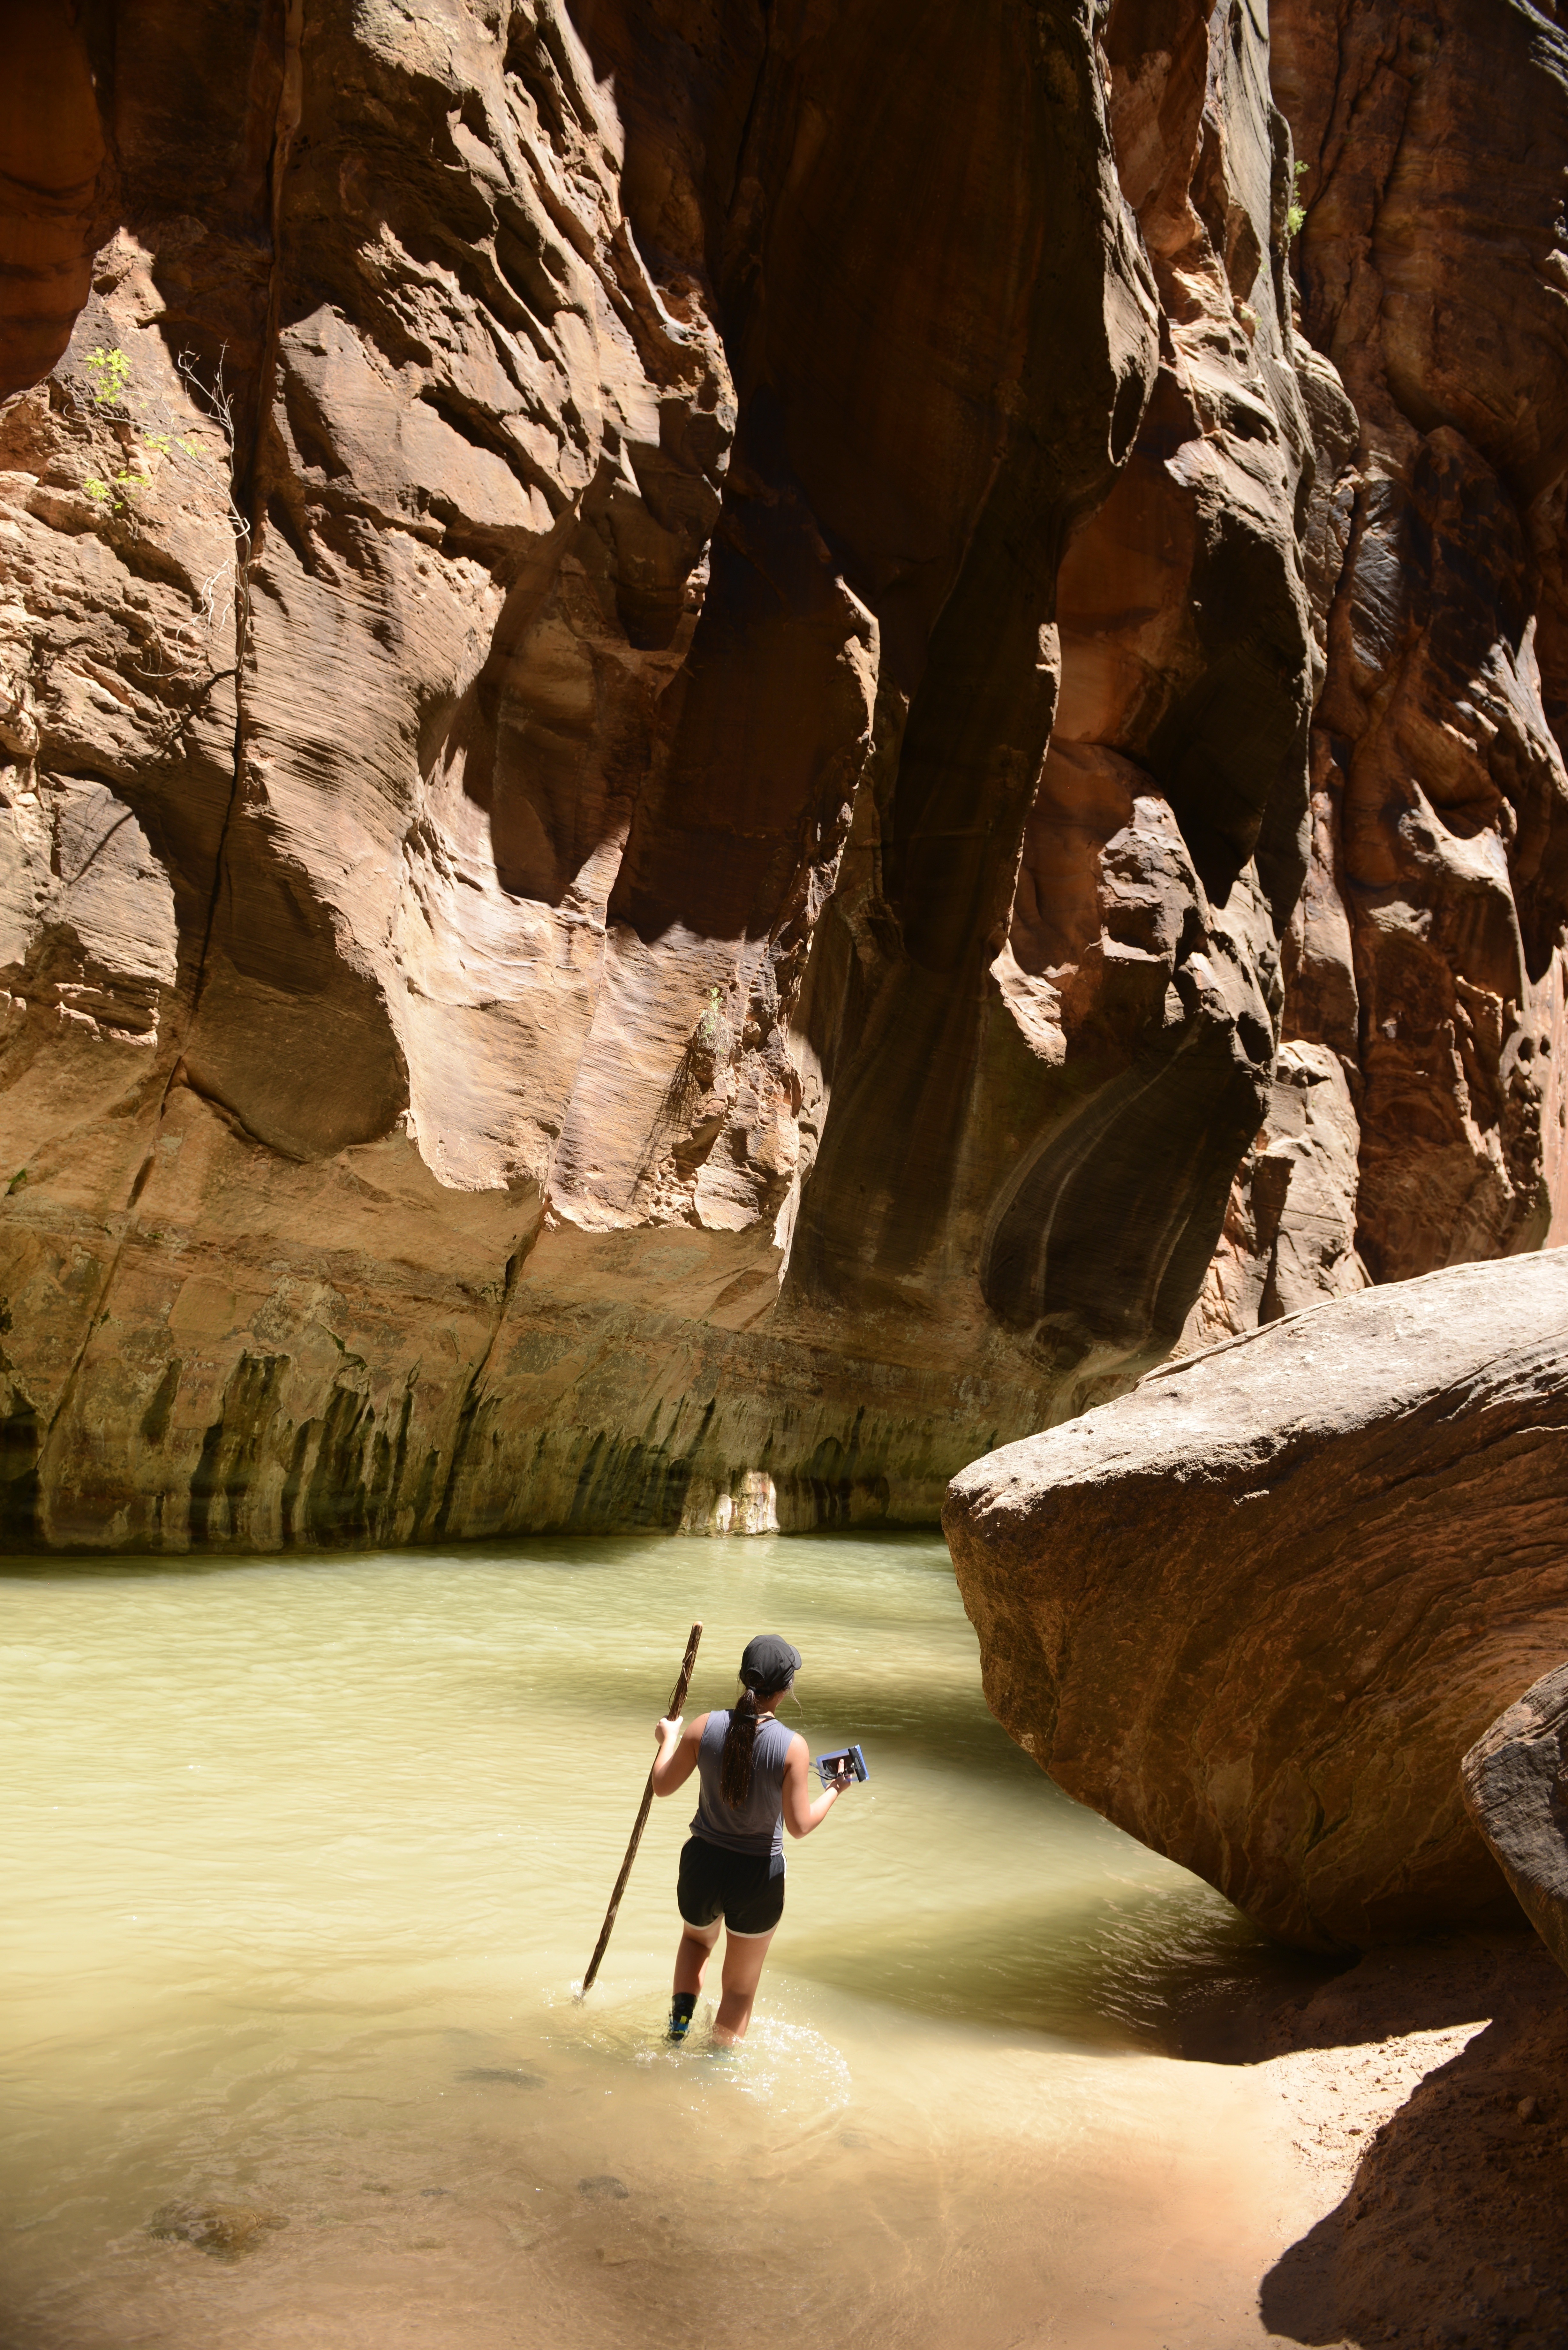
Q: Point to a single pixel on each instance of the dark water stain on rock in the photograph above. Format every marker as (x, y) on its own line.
(604, 2189)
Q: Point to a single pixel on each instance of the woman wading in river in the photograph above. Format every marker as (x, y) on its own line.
(752, 1785)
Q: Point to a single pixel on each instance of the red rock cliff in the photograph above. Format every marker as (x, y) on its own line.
(655, 675)
(1418, 1119)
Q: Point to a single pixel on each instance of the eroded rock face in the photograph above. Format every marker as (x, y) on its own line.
(1290, 1232)
(1256, 1611)
(1515, 1783)
(545, 985)
(1425, 952)
(1162, 852)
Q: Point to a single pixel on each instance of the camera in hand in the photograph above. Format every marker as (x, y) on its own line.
(848, 1763)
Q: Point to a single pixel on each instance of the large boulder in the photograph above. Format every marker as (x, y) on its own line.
(1256, 1610)
(1515, 1782)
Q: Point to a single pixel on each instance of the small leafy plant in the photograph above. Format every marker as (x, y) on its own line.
(108, 387)
(119, 492)
(146, 429)
(708, 1026)
(109, 371)
(110, 375)
(1296, 218)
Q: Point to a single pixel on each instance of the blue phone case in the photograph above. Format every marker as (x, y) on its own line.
(856, 1763)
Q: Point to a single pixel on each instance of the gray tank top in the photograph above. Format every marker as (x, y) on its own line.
(757, 1824)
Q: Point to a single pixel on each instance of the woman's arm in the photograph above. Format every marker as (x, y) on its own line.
(800, 1814)
(677, 1756)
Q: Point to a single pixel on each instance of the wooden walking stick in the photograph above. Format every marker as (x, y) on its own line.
(676, 1702)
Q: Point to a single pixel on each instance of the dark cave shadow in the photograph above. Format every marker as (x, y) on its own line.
(1455, 2228)
(1427, 1986)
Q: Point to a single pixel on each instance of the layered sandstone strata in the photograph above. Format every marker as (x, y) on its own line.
(1256, 1611)
(545, 982)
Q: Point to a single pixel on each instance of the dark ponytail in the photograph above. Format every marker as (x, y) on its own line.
(736, 1761)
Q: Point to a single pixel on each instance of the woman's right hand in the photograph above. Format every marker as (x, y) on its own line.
(677, 1756)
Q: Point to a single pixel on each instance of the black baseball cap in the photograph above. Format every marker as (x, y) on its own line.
(769, 1663)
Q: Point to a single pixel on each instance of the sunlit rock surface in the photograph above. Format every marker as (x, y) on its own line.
(1425, 952)
(1256, 1611)
(545, 982)
(1516, 1787)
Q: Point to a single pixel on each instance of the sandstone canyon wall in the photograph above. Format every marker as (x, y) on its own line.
(1417, 1118)
(526, 693)
(656, 666)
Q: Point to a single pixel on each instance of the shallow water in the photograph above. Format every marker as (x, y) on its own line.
(305, 1861)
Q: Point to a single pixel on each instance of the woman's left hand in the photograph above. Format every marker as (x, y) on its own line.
(668, 1729)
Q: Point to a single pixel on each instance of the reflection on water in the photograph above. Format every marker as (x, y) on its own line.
(306, 1861)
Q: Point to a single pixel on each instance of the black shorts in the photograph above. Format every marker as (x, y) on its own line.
(740, 1887)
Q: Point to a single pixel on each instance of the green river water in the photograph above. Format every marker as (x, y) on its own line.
(305, 1860)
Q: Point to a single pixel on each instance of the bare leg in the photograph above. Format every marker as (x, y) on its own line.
(744, 1957)
(692, 1955)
